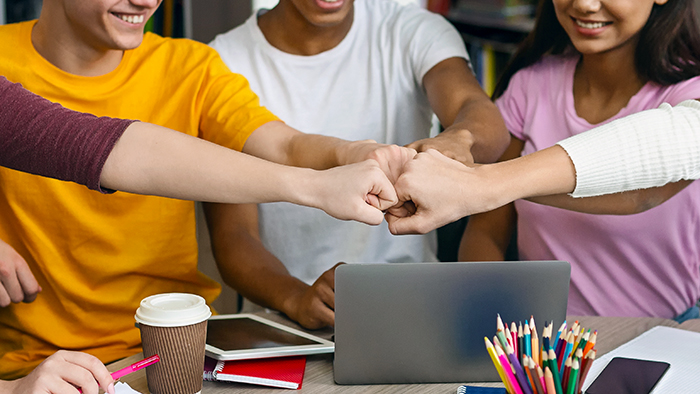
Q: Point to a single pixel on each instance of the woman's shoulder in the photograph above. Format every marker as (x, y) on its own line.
(681, 91)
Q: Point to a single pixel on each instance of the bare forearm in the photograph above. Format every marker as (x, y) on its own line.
(243, 261)
(543, 173)
(149, 159)
(256, 274)
(489, 134)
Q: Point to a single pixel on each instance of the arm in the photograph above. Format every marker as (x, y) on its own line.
(149, 159)
(625, 203)
(488, 234)
(632, 155)
(258, 275)
(61, 373)
(474, 130)
(279, 143)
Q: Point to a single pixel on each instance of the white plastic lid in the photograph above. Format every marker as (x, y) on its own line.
(172, 310)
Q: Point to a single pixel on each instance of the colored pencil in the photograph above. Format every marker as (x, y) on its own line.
(565, 374)
(500, 333)
(586, 367)
(549, 380)
(528, 373)
(521, 341)
(527, 340)
(492, 352)
(508, 369)
(555, 370)
(573, 378)
(591, 342)
(556, 337)
(514, 336)
(539, 387)
(535, 347)
(540, 377)
(567, 349)
(519, 372)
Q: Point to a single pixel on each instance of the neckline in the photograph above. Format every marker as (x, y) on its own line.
(289, 57)
(570, 70)
(60, 75)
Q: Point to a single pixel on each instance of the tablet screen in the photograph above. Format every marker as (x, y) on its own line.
(241, 334)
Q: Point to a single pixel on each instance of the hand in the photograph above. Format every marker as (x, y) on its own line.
(315, 307)
(453, 142)
(63, 373)
(431, 193)
(391, 158)
(17, 284)
(358, 191)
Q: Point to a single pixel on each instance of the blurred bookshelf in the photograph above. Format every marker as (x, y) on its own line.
(19, 10)
(492, 31)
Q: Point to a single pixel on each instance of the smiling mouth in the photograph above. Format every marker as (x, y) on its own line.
(591, 25)
(134, 19)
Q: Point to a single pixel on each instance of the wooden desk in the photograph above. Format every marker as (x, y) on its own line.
(318, 378)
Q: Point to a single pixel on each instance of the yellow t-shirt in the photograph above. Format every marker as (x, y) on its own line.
(96, 256)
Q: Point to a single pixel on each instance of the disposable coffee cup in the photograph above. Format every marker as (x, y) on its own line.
(174, 326)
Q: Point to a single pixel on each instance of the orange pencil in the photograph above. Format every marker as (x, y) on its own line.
(528, 373)
(590, 343)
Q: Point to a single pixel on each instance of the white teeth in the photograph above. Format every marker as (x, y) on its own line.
(330, 1)
(591, 25)
(135, 19)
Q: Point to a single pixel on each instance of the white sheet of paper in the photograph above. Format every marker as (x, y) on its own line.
(680, 348)
(124, 388)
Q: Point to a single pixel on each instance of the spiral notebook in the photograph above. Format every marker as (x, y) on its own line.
(281, 372)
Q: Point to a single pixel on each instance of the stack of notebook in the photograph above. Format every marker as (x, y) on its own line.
(282, 372)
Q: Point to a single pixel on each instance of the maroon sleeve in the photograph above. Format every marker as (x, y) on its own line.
(44, 138)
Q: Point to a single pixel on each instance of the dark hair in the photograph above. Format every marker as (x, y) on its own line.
(668, 51)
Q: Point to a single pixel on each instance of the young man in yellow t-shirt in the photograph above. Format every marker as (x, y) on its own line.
(97, 256)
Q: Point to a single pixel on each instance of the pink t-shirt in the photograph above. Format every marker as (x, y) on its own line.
(638, 265)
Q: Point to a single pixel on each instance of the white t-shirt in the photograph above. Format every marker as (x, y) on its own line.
(368, 87)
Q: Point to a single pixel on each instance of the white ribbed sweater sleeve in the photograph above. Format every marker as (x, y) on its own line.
(648, 149)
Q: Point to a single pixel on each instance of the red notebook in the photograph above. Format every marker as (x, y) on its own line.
(283, 372)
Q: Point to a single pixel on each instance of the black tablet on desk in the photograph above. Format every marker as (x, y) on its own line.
(247, 336)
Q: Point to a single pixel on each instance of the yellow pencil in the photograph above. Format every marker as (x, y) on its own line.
(497, 364)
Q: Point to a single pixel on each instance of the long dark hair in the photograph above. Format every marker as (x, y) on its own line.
(668, 51)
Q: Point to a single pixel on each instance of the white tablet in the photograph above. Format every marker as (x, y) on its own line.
(245, 336)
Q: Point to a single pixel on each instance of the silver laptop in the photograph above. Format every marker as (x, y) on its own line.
(426, 322)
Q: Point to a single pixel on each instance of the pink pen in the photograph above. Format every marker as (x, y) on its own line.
(135, 366)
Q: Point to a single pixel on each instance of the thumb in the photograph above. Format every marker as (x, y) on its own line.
(369, 214)
(382, 194)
